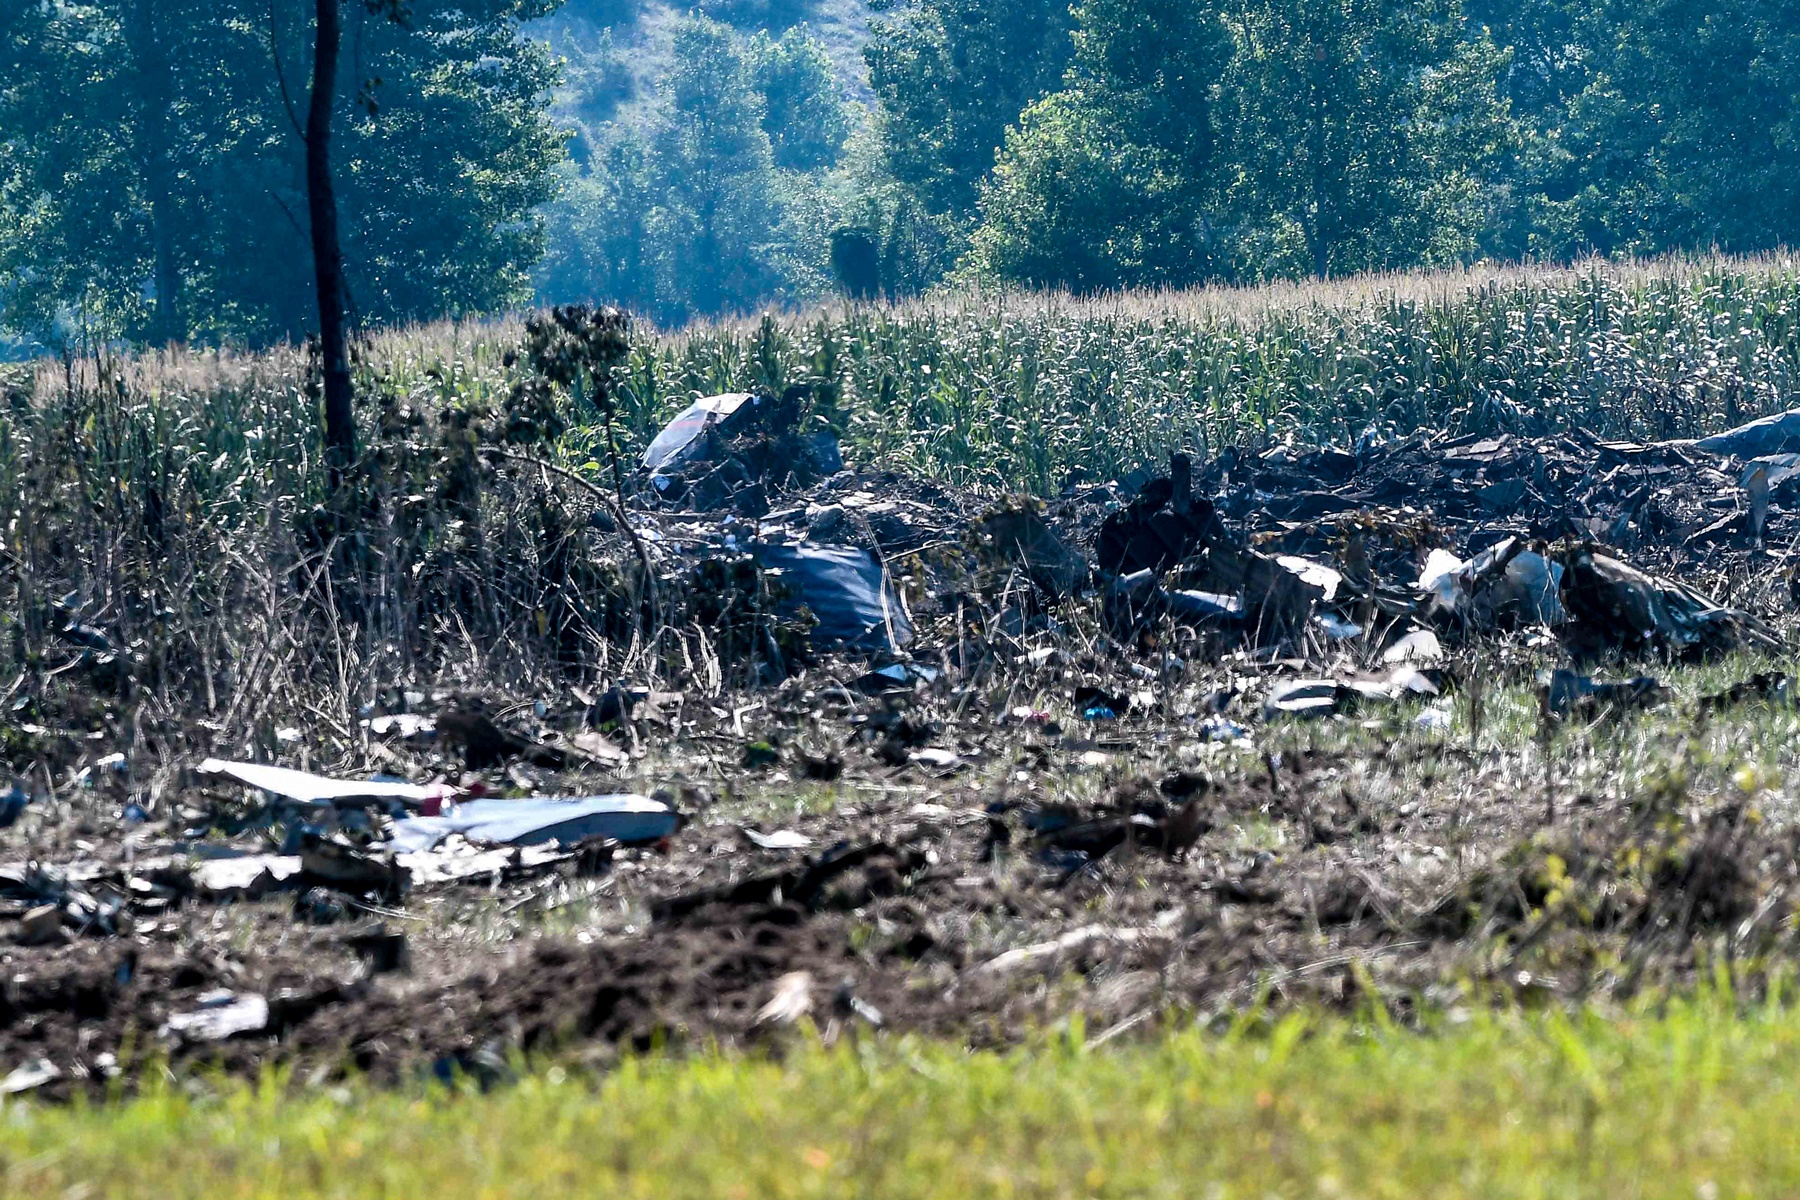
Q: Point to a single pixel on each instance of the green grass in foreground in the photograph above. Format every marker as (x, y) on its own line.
(1695, 1102)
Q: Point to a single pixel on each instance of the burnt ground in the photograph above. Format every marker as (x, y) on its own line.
(913, 930)
(1081, 809)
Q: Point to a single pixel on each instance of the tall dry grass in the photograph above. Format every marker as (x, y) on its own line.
(175, 498)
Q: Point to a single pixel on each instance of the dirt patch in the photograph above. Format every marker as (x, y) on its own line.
(1175, 745)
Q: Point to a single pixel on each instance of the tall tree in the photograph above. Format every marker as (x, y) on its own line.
(156, 154)
(1111, 182)
(714, 172)
(1367, 126)
(327, 248)
(155, 95)
(804, 112)
(950, 77)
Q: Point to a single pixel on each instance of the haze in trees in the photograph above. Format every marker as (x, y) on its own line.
(155, 164)
(484, 153)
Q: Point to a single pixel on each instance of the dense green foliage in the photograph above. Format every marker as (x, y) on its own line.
(1115, 144)
(951, 78)
(803, 113)
(1255, 139)
(1366, 133)
(1106, 183)
(1695, 1099)
(1650, 124)
(699, 202)
(153, 183)
(717, 162)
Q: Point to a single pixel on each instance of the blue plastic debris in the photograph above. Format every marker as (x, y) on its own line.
(846, 590)
(12, 803)
(1766, 435)
(1097, 704)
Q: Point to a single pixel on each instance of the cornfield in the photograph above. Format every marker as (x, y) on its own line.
(177, 496)
(1037, 393)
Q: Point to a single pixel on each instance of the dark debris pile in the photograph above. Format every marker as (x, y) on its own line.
(893, 638)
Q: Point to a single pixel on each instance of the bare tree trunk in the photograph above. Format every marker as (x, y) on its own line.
(155, 96)
(1317, 238)
(328, 250)
(169, 328)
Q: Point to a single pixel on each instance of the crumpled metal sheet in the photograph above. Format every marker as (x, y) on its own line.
(627, 818)
(308, 788)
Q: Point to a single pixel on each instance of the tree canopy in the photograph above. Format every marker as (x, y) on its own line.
(152, 182)
(155, 184)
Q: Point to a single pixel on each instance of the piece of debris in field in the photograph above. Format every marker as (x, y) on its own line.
(1613, 605)
(307, 788)
(243, 876)
(1765, 435)
(847, 592)
(894, 677)
(347, 868)
(466, 725)
(13, 800)
(1402, 682)
(320, 906)
(737, 450)
(1774, 688)
(222, 1014)
(1098, 704)
(29, 1076)
(1755, 482)
(1187, 604)
(1313, 574)
(1303, 698)
(937, 758)
(847, 1005)
(792, 999)
(1420, 648)
(405, 726)
(1503, 586)
(1564, 693)
(1017, 536)
(628, 819)
(454, 860)
(599, 748)
(40, 926)
(1161, 526)
(684, 438)
(1087, 938)
(780, 839)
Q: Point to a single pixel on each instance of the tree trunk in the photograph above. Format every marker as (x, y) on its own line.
(328, 251)
(1317, 238)
(169, 327)
(156, 93)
